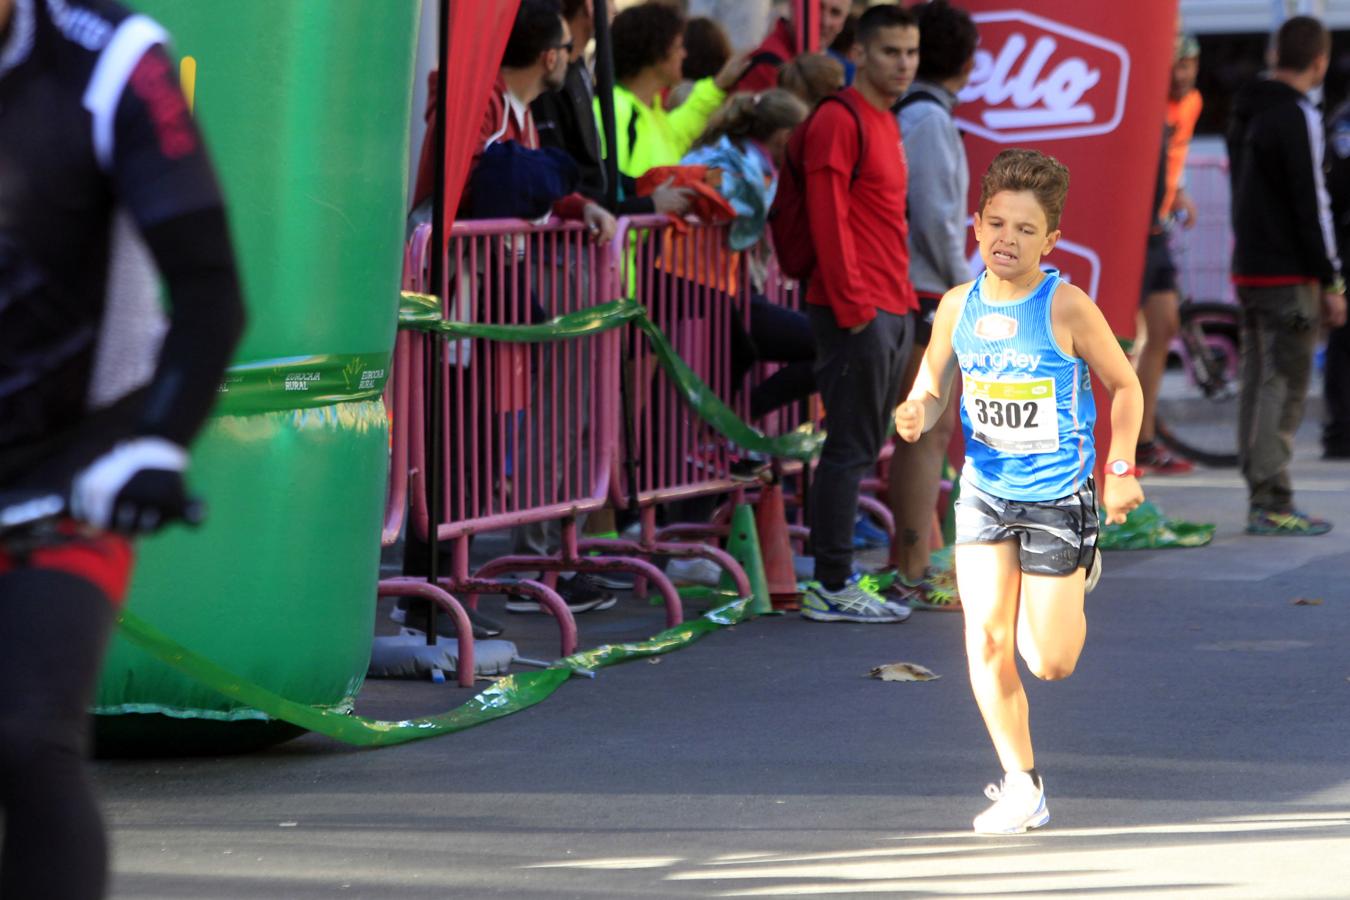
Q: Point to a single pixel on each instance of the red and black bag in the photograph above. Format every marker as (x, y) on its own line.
(788, 218)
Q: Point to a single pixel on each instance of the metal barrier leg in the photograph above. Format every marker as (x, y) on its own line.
(880, 511)
(416, 587)
(481, 582)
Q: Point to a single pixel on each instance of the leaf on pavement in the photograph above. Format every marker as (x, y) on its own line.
(904, 671)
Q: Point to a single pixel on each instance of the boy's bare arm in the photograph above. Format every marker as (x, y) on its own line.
(933, 383)
(1092, 340)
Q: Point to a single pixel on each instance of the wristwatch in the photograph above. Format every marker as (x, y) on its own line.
(1121, 468)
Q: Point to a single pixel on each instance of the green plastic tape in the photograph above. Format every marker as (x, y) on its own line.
(1146, 528)
(302, 382)
(507, 696)
(422, 312)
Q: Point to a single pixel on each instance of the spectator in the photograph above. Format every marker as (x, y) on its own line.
(1285, 266)
(746, 142)
(859, 298)
(812, 77)
(565, 119)
(841, 48)
(535, 61)
(648, 56)
(707, 49)
(939, 184)
(1158, 315)
(1336, 370)
(781, 46)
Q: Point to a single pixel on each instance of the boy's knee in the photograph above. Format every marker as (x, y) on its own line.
(1053, 666)
(1047, 670)
(988, 644)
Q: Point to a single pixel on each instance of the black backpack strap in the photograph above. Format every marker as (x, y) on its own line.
(762, 58)
(862, 133)
(917, 97)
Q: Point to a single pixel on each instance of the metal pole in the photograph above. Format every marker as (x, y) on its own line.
(435, 403)
(604, 90)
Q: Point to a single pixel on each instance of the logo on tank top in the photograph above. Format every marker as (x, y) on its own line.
(995, 327)
(999, 360)
(1037, 79)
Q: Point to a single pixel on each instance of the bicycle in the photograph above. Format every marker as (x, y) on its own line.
(1197, 409)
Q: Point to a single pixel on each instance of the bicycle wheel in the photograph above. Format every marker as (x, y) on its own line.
(1198, 405)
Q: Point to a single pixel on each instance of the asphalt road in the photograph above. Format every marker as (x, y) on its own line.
(1202, 749)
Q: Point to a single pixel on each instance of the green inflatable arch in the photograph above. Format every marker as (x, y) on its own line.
(306, 114)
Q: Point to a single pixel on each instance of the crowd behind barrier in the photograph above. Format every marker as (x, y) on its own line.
(549, 429)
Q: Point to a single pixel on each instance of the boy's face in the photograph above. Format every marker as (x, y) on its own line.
(1013, 234)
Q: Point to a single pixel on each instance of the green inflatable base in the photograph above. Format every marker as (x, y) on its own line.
(148, 735)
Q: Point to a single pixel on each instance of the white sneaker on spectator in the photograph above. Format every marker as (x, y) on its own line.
(696, 570)
(1019, 805)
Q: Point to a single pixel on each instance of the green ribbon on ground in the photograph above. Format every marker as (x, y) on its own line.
(302, 382)
(509, 695)
(1146, 528)
(423, 312)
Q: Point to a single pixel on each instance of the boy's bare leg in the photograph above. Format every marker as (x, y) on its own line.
(989, 578)
(1052, 627)
(1160, 323)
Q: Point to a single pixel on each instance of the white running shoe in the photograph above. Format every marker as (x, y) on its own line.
(1018, 806)
(698, 570)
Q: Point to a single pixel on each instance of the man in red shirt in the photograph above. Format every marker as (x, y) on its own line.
(859, 298)
(781, 45)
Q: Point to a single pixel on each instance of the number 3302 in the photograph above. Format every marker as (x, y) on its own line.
(1006, 414)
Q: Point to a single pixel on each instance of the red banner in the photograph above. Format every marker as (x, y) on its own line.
(1086, 83)
(476, 35)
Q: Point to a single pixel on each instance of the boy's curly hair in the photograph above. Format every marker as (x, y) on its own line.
(1019, 169)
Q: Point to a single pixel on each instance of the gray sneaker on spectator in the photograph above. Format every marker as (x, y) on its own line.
(854, 602)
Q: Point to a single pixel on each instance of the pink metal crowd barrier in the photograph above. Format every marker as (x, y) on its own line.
(1204, 251)
(690, 287)
(398, 399)
(528, 430)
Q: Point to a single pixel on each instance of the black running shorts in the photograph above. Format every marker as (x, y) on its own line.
(1160, 271)
(1054, 536)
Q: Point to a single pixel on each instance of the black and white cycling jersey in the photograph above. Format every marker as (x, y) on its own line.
(105, 188)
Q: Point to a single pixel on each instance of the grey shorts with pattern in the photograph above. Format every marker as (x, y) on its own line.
(1054, 536)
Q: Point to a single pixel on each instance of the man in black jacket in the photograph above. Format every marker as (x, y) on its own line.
(565, 120)
(1336, 372)
(1285, 265)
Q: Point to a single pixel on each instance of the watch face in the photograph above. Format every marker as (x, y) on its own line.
(1120, 467)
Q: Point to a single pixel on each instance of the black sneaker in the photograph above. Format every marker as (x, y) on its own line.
(580, 592)
(411, 612)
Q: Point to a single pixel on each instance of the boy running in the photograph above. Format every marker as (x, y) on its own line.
(1026, 523)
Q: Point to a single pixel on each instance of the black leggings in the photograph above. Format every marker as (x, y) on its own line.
(780, 335)
(53, 629)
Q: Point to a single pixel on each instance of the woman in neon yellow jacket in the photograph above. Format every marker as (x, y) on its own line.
(648, 53)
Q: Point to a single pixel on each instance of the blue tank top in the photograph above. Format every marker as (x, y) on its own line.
(1026, 406)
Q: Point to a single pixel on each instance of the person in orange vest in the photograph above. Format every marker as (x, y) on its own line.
(1159, 318)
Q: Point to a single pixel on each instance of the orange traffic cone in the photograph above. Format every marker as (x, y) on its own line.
(771, 523)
